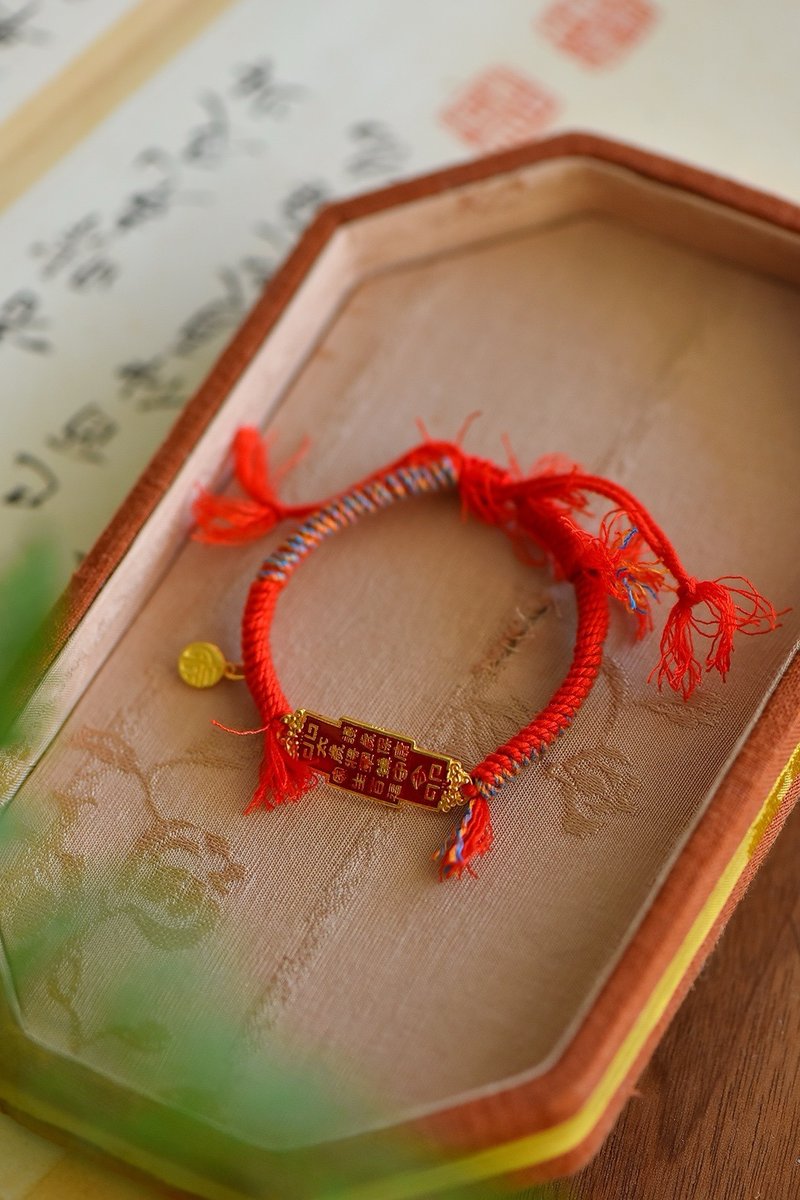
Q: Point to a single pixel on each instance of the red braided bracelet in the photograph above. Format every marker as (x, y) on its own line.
(538, 513)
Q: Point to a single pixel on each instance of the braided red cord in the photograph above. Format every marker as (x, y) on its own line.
(538, 513)
(504, 762)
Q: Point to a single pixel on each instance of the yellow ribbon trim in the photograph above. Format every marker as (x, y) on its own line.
(559, 1139)
(65, 110)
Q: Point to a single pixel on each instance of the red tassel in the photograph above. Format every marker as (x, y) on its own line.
(230, 519)
(472, 838)
(565, 472)
(511, 505)
(483, 494)
(282, 778)
(731, 609)
(628, 577)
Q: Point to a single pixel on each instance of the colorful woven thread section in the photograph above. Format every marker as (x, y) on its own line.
(345, 510)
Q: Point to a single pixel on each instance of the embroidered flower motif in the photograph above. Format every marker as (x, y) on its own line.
(702, 708)
(173, 881)
(37, 877)
(595, 783)
(175, 876)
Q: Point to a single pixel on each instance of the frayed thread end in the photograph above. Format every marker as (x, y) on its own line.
(472, 837)
(282, 778)
(733, 605)
(630, 577)
(230, 520)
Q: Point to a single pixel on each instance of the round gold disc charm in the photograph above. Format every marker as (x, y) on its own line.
(202, 664)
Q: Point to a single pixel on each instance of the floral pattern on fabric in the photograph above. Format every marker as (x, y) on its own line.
(170, 884)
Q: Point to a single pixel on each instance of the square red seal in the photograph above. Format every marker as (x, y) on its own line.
(598, 32)
(500, 108)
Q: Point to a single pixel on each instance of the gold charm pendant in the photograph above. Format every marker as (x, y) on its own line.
(202, 664)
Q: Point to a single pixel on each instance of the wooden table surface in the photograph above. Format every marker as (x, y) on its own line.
(717, 1111)
(716, 1115)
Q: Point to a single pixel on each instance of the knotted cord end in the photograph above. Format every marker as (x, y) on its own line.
(229, 520)
(733, 605)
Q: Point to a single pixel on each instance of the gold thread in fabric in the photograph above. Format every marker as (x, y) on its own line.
(777, 796)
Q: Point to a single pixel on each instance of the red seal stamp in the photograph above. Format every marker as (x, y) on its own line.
(598, 32)
(499, 109)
